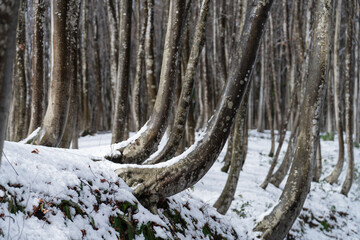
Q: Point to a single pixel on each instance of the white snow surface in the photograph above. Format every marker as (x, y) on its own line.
(43, 181)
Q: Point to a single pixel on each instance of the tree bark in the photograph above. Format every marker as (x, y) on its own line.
(18, 129)
(72, 59)
(149, 57)
(237, 158)
(333, 177)
(281, 172)
(122, 86)
(37, 98)
(278, 223)
(177, 131)
(318, 164)
(136, 102)
(8, 21)
(141, 148)
(349, 84)
(113, 16)
(160, 181)
(54, 122)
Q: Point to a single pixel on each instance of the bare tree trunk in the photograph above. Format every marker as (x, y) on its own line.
(237, 158)
(281, 172)
(17, 128)
(278, 223)
(330, 113)
(85, 49)
(158, 181)
(333, 177)
(268, 100)
(229, 150)
(54, 122)
(37, 98)
(8, 20)
(261, 106)
(122, 86)
(113, 16)
(141, 148)
(318, 164)
(136, 103)
(149, 57)
(282, 133)
(182, 109)
(349, 80)
(72, 59)
(274, 75)
(357, 85)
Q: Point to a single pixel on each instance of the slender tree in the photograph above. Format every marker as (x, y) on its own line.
(238, 156)
(349, 84)
(278, 223)
(333, 177)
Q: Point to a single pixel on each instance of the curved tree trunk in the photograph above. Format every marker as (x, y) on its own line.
(177, 131)
(122, 86)
(333, 177)
(37, 97)
(281, 140)
(281, 172)
(163, 180)
(237, 158)
(278, 223)
(141, 148)
(54, 122)
(349, 80)
(8, 20)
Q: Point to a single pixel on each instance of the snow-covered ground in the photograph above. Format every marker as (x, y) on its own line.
(48, 193)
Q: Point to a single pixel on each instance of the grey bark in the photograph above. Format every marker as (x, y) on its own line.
(18, 128)
(349, 84)
(136, 99)
(318, 164)
(122, 86)
(237, 158)
(158, 182)
(278, 223)
(283, 169)
(334, 175)
(8, 20)
(54, 122)
(149, 58)
(177, 131)
(72, 59)
(37, 107)
(141, 148)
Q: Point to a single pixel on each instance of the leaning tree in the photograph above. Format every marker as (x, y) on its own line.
(156, 182)
(278, 223)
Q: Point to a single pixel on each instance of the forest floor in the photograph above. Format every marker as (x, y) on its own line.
(49, 193)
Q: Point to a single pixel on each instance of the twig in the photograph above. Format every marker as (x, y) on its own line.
(10, 163)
